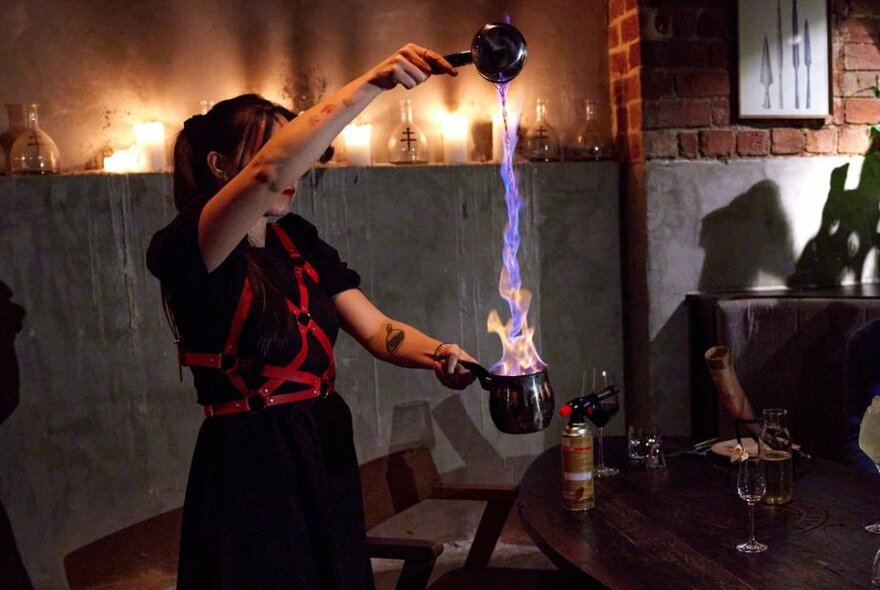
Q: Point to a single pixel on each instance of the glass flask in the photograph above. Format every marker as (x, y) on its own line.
(776, 453)
(15, 115)
(407, 144)
(587, 139)
(542, 141)
(34, 152)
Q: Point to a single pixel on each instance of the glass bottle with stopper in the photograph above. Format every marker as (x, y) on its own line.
(33, 151)
(588, 139)
(542, 141)
(407, 144)
(15, 116)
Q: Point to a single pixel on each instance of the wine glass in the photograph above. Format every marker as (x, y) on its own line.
(751, 486)
(869, 442)
(603, 410)
(875, 570)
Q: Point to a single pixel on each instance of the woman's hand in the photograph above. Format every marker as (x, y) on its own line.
(409, 66)
(449, 372)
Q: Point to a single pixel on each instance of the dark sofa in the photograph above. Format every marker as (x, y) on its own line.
(788, 348)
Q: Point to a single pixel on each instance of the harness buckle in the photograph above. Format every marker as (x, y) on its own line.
(304, 318)
(326, 388)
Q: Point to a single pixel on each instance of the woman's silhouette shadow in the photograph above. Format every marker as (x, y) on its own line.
(13, 575)
(748, 237)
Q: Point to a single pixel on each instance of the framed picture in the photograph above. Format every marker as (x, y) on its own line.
(784, 59)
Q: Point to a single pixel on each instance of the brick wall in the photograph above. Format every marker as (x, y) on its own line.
(688, 78)
(624, 59)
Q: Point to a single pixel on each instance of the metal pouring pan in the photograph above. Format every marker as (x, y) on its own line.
(518, 404)
(498, 52)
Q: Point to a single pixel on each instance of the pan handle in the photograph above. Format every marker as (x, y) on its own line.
(480, 371)
(462, 58)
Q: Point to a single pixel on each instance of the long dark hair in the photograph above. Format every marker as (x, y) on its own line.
(235, 128)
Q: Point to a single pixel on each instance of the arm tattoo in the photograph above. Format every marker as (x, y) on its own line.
(393, 339)
(329, 109)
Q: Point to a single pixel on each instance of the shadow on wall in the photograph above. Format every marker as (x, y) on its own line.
(13, 574)
(848, 232)
(748, 237)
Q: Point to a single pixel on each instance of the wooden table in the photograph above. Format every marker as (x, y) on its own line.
(678, 527)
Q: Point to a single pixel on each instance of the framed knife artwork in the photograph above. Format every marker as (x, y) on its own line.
(784, 59)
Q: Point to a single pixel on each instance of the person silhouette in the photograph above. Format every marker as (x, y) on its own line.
(13, 575)
(862, 376)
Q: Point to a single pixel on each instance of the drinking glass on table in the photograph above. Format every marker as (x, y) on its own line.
(875, 570)
(602, 412)
(869, 442)
(751, 486)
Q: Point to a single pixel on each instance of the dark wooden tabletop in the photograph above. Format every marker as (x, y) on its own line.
(678, 527)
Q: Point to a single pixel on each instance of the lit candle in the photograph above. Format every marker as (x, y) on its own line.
(358, 140)
(150, 138)
(455, 139)
(123, 161)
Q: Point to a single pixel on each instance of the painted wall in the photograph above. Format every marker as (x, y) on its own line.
(98, 66)
(743, 224)
(104, 431)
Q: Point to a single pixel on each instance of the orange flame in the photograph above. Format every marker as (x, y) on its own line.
(520, 357)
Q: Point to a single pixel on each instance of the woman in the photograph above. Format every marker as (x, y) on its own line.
(273, 498)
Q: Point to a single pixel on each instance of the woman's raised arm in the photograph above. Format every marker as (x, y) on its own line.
(239, 205)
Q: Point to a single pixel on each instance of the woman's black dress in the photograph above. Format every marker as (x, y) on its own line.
(273, 498)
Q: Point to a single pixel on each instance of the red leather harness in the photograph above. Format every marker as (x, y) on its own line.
(276, 376)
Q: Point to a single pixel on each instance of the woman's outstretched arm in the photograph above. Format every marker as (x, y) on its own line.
(234, 210)
(399, 343)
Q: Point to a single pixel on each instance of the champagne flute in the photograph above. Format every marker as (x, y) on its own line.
(751, 486)
(601, 413)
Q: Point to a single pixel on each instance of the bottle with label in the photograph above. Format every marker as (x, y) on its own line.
(577, 464)
(542, 141)
(777, 458)
(407, 144)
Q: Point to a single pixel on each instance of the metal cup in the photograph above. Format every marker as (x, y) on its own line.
(498, 52)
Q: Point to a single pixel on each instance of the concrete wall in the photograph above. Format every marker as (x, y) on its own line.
(742, 224)
(97, 66)
(104, 431)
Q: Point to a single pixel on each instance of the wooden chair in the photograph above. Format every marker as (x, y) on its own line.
(144, 556)
(140, 557)
(396, 482)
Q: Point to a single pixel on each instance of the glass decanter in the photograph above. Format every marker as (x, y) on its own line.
(776, 453)
(588, 139)
(542, 141)
(15, 114)
(34, 152)
(407, 144)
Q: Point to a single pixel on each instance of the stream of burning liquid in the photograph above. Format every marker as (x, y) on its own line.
(519, 354)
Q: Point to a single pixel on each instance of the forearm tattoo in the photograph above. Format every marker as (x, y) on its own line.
(326, 110)
(393, 338)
